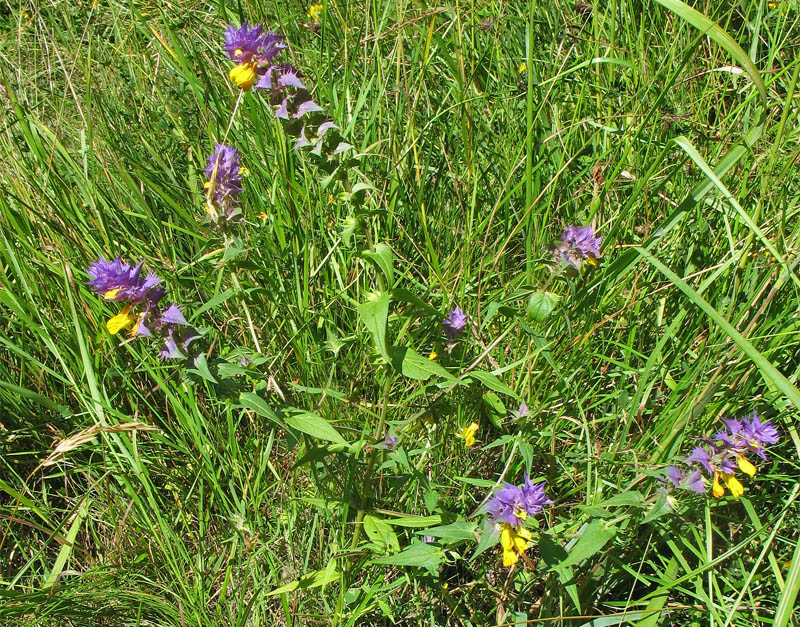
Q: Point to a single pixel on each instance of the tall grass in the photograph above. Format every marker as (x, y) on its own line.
(677, 140)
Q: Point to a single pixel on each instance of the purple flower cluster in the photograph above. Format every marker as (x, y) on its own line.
(578, 244)
(248, 44)
(224, 184)
(748, 435)
(389, 442)
(513, 504)
(721, 455)
(255, 50)
(121, 282)
(521, 412)
(692, 480)
(455, 322)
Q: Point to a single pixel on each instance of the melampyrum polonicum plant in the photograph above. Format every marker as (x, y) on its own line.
(511, 514)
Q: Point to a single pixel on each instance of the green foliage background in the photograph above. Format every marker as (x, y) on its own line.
(469, 168)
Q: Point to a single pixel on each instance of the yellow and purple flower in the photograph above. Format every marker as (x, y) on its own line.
(511, 505)
(224, 184)
(121, 282)
(748, 435)
(252, 49)
(255, 51)
(578, 244)
(722, 455)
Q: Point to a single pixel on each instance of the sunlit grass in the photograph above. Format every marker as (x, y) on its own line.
(467, 167)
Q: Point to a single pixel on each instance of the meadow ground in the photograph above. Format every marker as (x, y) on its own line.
(308, 463)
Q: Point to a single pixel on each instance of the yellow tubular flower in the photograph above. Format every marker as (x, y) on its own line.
(734, 485)
(514, 543)
(243, 75)
(510, 556)
(716, 488)
(468, 433)
(521, 541)
(745, 466)
(120, 321)
(111, 294)
(138, 319)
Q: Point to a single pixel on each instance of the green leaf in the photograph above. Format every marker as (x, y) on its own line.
(211, 304)
(383, 259)
(419, 555)
(375, 314)
(38, 398)
(786, 605)
(201, 368)
(415, 521)
(658, 509)
(493, 383)
(708, 27)
(360, 187)
(232, 252)
(402, 294)
(380, 532)
(593, 538)
(66, 548)
(431, 498)
(488, 538)
(254, 403)
(541, 305)
(481, 483)
(625, 499)
(629, 498)
(311, 580)
(228, 370)
(314, 425)
(415, 366)
(554, 555)
(349, 226)
(495, 410)
(652, 614)
(459, 530)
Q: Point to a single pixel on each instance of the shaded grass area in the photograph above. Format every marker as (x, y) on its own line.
(472, 166)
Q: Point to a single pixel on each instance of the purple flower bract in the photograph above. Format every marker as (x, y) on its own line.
(578, 243)
(455, 322)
